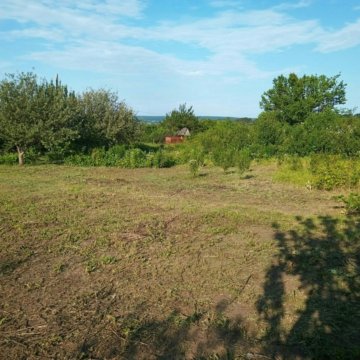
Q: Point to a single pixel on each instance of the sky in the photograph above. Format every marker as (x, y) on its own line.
(218, 56)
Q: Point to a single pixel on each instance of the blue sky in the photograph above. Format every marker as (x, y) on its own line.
(217, 55)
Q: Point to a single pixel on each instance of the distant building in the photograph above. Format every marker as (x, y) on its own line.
(174, 139)
(179, 137)
(183, 132)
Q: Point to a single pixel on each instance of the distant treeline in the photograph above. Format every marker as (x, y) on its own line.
(42, 120)
(160, 118)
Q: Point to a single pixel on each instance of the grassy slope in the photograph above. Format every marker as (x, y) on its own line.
(116, 263)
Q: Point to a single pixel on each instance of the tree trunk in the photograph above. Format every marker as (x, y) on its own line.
(21, 156)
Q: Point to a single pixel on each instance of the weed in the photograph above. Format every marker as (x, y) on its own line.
(59, 268)
(107, 260)
(352, 203)
(194, 167)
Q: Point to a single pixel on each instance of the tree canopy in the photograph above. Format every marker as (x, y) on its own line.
(179, 118)
(46, 116)
(294, 98)
(35, 113)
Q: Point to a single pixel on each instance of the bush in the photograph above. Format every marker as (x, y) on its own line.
(134, 158)
(332, 172)
(352, 203)
(114, 155)
(79, 160)
(194, 167)
(161, 159)
(8, 159)
(243, 161)
(294, 162)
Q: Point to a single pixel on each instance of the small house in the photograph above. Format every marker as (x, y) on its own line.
(179, 137)
(183, 132)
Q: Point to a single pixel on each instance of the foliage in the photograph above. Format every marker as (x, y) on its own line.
(224, 141)
(294, 98)
(352, 203)
(36, 113)
(162, 159)
(321, 171)
(243, 160)
(269, 135)
(179, 118)
(325, 132)
(194, 167)
(152, 133)
(8, 159)
(134, 158)
(332, 172)
(106, 121)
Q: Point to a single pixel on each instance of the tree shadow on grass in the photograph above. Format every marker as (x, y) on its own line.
(200, 335)
(324, 255)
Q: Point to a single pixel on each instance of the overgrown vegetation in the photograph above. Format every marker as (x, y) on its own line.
(144, 261)
(45, 122)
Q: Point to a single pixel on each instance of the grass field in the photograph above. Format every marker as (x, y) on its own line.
(107, 263)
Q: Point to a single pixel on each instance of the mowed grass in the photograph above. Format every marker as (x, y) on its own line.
(111, 263)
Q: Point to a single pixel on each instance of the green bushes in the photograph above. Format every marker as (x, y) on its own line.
(243, 161)
(194, 167)
(120, 156)
(321, 171)
(331, 171)
(352, 203)
(8, 159)
(133, 158)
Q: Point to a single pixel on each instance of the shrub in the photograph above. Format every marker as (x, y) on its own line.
(8, 159)
(134, 158)
(243, 161)
(79, 160)
(332, 172)
(194, 167)
(294, 162)
(352, 203)
(161, 159)
(224, 157)
(114, 155)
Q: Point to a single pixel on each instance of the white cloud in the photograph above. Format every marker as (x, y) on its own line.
(297, 5)
(347, 37)
(225, 3)
(91, 34)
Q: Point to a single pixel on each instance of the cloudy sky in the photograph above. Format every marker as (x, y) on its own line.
(217, 55)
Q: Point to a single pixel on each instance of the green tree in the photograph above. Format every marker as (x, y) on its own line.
(179, 118)
(60, 114)
(34, 113)
(294, 98)
(224, 141)
(106, 121)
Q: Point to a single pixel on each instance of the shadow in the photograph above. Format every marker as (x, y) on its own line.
(200, 335)
(323, 257)
(247, 177)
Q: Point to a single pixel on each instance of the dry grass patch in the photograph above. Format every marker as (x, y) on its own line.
(153, 263)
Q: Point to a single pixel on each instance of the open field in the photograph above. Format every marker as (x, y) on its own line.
(108, 263)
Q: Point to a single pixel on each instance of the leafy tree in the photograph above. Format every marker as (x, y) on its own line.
(180, 118)
(58, 109)
(106, 121)
(294, 98)
(34, 113)
(224, 141)
(325, 132)
(152, 133)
